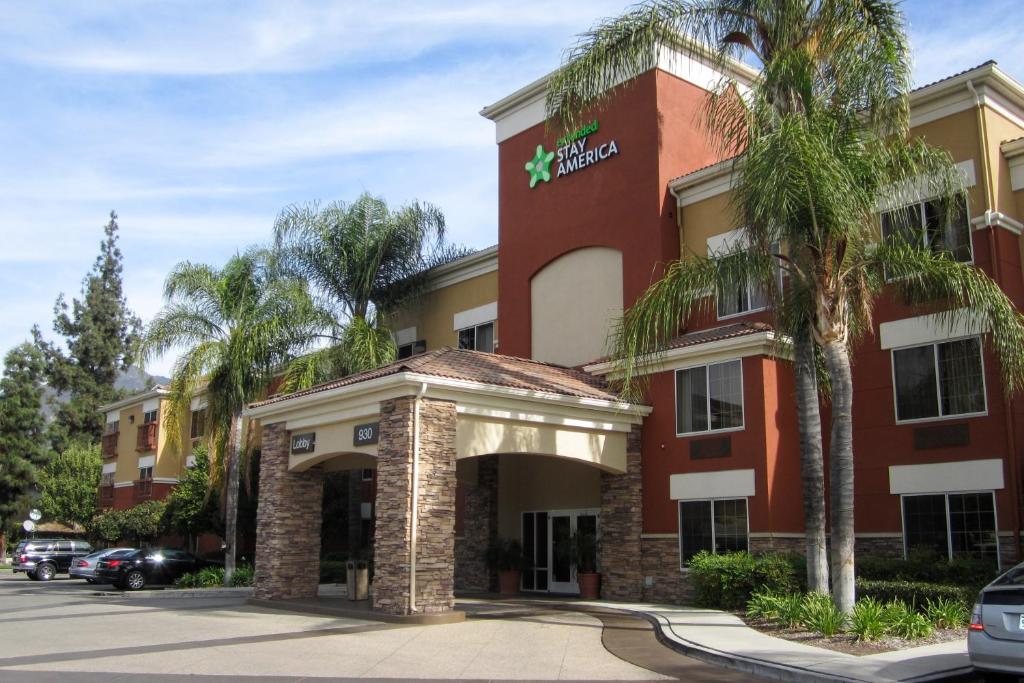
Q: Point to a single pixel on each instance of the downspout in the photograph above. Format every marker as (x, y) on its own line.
(993, 246)
(414, 520)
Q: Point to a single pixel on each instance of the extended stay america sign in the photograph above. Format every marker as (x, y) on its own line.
(575, 152)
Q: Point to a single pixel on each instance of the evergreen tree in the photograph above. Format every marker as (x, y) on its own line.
(99, 333)
(23, 448)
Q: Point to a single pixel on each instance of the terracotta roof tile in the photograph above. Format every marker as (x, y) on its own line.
(718, 334)
(477, 366)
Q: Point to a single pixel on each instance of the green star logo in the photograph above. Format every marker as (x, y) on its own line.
(539, 167)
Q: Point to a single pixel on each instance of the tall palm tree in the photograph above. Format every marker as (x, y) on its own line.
(237, 326)
(823, 135)
(362, 260)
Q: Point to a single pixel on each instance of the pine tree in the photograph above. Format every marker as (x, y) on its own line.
(23, 446)
(99, 334)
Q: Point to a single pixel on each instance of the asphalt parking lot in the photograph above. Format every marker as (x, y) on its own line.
(64, 631)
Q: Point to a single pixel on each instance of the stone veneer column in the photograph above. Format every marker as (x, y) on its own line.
(622, 525)
(288, 521)
(479, 528)
(435, 553)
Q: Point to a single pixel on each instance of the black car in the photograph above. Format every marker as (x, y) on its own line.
(135, 569)
(44, 558)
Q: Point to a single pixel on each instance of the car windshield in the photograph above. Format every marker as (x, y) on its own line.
(1014, 577)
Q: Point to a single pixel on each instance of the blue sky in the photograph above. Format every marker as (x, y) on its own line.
(199, 121)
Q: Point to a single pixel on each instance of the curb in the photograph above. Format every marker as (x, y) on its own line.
(170, 593)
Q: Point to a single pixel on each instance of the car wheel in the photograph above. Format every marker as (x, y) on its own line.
(92, 581)
(32, 575)
(135, 580)
(45, 572)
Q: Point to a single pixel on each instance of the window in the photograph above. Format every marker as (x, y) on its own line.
(368, 474)
(942, 227)
(145, 473)
(743, 297)
(149, 416)
(709, 398)
(411, 349)
(478, 338)
(939, 380)
(953, 524)
(719, 526)
(112, 427)
(107, 479)
(198, 426)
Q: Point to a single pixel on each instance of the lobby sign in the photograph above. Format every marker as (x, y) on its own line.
(303, 443)
(366, 434)
(573, 154)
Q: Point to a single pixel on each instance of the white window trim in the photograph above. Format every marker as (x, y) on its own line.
(707, 376)
(924, 235)
(938, 386)
(949, 529)
(405, 336)
(474, 317)
(679, 530)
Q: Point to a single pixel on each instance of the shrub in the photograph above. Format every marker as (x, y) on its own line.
(242, 576)
(868, 619)
(903, 622)
(207, 577)
(925, 565)
(820, 614)
(763, 606)
(791, 610)
(332, 571)
(945, 613)
(915, 594)
(728, 580)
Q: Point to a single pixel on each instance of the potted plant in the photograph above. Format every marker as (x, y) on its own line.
(584, 553)
(505, 555)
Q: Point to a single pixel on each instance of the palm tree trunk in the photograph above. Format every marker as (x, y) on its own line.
(812, 467)
(231, 498)
(837, 358)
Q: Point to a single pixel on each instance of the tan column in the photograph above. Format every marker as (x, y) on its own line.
(288, 523)
(432, 472)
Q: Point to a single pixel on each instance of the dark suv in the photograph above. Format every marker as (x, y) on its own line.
(44, 558)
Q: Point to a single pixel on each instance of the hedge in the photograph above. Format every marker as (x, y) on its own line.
(928, 567)
(728, 580)
(914, 593)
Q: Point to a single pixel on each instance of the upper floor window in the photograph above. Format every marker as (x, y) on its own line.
(943, 227)
(939, 380)
(145, 473)
(149, 416)
(709, 397)
(718, 526)
(412, 348)
(112, 427)
(478, 338)
(198, 425)
(744, 297)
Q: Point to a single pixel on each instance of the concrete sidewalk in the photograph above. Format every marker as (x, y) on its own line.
(722, 638)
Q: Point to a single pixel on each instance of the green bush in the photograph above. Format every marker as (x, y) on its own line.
(242, 576)
(945, 613)
(791, 610)
(728, 580)
(763, 606)
(915, 594)
(207, 577)
(868, 619)
(925, 565)
(902, 621)
(821, 615)
(332, 571)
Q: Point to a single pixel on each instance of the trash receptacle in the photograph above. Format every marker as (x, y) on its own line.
(357, 580)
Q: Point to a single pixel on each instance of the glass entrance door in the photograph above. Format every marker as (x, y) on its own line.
(549, 551)
(535, 551)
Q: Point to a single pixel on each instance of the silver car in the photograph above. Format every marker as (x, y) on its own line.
(995, 639)
(85, 567)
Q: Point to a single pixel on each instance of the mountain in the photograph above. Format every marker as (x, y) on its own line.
(131, 381)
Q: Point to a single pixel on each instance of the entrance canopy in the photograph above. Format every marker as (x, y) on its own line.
(503, 405)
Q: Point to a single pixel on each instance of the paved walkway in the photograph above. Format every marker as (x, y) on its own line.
(723, 638)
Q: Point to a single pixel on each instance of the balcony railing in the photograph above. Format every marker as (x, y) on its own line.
(143, 489)
(109, 445)
(106, 496)
(146, 440)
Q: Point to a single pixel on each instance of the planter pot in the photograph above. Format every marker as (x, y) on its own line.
(508, 581)
(590, 585)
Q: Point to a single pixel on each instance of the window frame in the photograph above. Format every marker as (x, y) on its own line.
(475, 328)
(923, 226)
(747, 290)
(949, 526)
(938, 381)
(707, 379)
(155, 413)
(363, 474)
(711, 501)
(412, 349)
(142, 469)
(201, 412)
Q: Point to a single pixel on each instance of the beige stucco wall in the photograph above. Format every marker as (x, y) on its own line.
(530, 482)
(335, 448)
(1001, 129)
(703, 219)
(579, 291)
(433, 313)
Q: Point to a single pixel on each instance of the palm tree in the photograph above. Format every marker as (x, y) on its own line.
(823, 135)
(362, 260)
(237, 326)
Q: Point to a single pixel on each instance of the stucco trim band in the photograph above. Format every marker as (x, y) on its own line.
(944, 477)
(705, 485)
